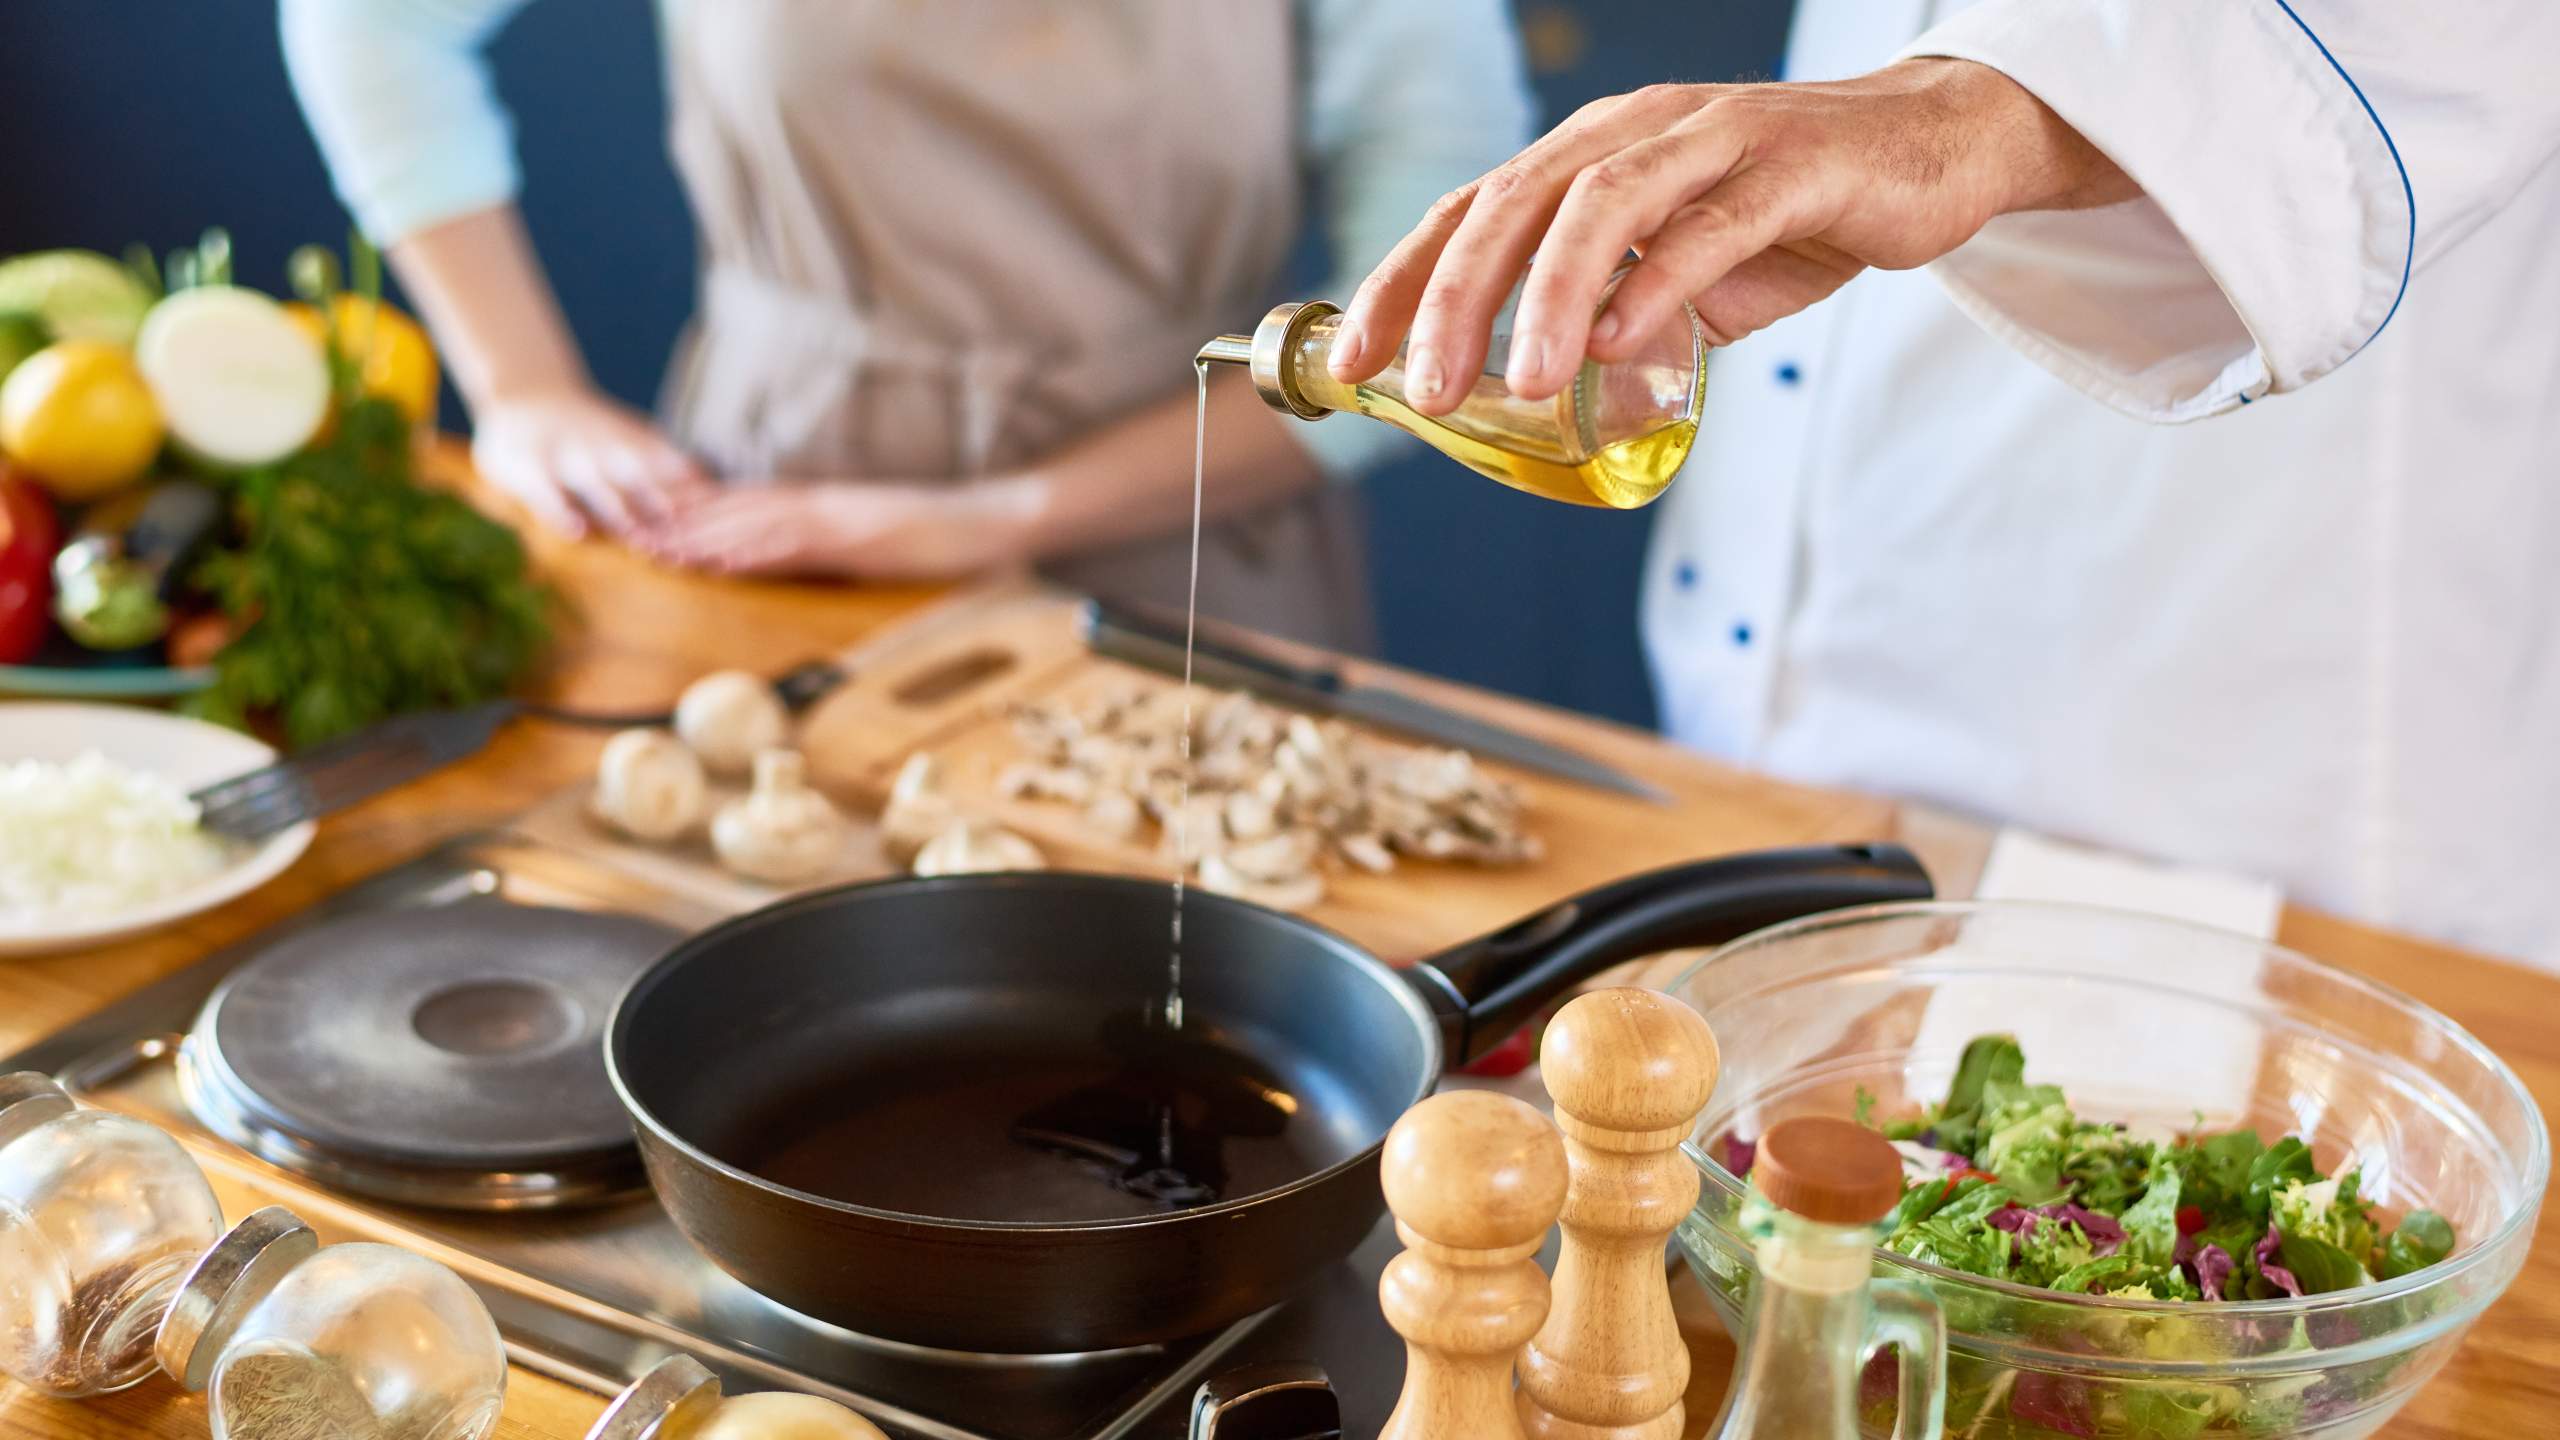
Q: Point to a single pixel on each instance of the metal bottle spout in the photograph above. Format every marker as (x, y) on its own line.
(1228, 350)
(1270, 354)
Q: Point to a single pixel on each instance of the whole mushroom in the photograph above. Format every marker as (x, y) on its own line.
(649, 785)
(729, 717)
(782, 831)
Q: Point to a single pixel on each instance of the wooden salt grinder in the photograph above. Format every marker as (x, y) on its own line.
(1629, 1070)
(1475, 1180)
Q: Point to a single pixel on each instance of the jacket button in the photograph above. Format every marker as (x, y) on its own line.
(1789, 373)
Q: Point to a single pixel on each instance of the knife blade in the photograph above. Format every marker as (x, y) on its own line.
(1145, 639)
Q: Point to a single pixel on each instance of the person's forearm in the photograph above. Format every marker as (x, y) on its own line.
(481, 289)
(1131, 479)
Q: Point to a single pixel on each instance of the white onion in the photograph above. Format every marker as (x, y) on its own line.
(94, 838)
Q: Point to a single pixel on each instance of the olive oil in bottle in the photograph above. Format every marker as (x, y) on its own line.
(1615, 437)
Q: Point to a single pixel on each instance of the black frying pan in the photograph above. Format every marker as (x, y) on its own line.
(948, 1112)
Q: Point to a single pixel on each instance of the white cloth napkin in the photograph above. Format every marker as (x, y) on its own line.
(2112, 1047)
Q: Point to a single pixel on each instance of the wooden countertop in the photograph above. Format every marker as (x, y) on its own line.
(642, 633)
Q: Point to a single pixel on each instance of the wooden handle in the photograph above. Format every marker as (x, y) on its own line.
(1629, 1070)
(1475, 1180)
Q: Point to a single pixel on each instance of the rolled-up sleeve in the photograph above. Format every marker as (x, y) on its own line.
(2299, 160)
(1405, 102)
(398, 95)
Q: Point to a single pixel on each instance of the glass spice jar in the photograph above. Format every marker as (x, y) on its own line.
(680, 1400)
(297, 1341)
(100, 1216)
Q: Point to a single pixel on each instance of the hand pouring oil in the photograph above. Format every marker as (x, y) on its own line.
(1615, 437)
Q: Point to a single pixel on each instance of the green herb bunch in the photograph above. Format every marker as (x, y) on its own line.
(359, 593)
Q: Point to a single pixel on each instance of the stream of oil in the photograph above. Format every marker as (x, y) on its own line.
(1190, 631)
(1154, 1117)
(1182, 813)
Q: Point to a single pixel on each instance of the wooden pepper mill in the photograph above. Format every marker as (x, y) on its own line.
(1629, 1070)
(1475, 1180)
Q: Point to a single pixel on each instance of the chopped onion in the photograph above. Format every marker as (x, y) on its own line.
(93, 838)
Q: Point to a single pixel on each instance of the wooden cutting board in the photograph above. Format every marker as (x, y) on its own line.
(946, 681)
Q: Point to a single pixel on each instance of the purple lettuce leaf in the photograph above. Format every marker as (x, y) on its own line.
(2060, 1403)
(2016, 1219)
(2276, 1274)
(2105, 1234)
(2210, 1268)
(1739, 1154)
(2103, 1231)
(1881, 1380)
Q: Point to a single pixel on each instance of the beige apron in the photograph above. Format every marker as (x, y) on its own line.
(943, 237)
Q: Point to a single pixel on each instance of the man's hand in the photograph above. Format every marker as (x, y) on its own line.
(1749, 201)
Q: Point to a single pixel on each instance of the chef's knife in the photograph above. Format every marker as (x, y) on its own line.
(1156, 643)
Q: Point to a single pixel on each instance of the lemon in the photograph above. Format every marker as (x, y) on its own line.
(78, 415)
(393, 356)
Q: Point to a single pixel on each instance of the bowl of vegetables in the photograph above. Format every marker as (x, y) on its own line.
(2165, 1181)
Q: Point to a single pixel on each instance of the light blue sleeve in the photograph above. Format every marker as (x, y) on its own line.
(397, 93)
(1406, 101)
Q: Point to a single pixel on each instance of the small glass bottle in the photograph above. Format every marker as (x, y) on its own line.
(1820, 1189)
(680, 1400)
(100, 1216)
(1614, 437)
(296, 1341)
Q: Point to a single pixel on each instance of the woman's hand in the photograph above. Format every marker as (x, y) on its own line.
(1749, 201)
(853, 529)
(580, 461)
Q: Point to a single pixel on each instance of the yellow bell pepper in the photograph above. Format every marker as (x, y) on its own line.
(394, 359)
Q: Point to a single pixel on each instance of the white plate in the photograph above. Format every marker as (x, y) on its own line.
(190, 753)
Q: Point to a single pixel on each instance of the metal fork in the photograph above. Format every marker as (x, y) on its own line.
(336, 774)
(333, 775)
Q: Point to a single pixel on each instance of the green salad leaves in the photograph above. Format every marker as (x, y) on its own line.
(2008, 1182)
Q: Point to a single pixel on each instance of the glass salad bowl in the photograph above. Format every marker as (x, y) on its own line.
(2170, 1028)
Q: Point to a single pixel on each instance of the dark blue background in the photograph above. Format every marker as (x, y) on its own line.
(128, 122)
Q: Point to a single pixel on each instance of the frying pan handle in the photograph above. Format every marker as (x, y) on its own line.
(1490, 986)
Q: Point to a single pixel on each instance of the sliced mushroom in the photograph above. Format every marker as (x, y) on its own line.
(1284, 856)
(1369, 852)
(917, 809)
(1299, 893)
(1249, 816)
(973, 847)
(1254, 772)
(1045, 782)
(1113, 814)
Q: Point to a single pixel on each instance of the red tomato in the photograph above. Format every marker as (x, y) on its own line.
(1508, 1058)
(1961, 1176)
(2190, 1219)
(29, 534)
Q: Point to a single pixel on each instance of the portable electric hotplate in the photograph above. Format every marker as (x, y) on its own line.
(419, 1060)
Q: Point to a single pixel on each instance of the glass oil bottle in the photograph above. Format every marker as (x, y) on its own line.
(1821, 1188)
(1614, 437)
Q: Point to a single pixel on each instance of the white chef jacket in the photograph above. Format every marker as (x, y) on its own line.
(1935, 540)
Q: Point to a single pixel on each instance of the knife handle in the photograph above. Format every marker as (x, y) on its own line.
(1146, 639)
